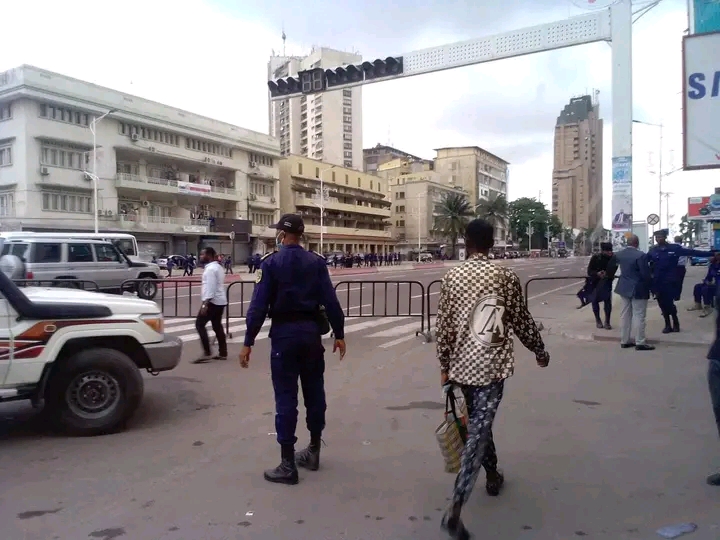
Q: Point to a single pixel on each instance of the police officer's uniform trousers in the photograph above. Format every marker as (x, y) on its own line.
(296, 353)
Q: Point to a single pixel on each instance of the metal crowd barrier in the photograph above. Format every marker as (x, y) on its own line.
(168, 293)
(430, 312)
(237, 307)
(62, 283)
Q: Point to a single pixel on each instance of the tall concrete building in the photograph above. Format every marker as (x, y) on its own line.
(380, 154)
(327, 126)
(355, 207)
(479, 173)
(176, 180)
(577, 172)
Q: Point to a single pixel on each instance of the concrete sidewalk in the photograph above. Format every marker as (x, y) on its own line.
(560, 316)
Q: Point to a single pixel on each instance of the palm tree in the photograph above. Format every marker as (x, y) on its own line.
(454, 212)
(494, 210)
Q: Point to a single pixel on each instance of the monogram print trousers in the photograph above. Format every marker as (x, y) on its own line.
(482, 404)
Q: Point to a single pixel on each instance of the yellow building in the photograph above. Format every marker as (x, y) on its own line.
(355, 207)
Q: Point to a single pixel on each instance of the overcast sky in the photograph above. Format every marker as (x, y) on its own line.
(210, 57)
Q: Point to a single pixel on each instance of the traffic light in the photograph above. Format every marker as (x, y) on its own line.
(285, 87)
(312, 80)
(343, 75)
(383, 68)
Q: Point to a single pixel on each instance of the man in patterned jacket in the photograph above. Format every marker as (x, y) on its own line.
(481, 307)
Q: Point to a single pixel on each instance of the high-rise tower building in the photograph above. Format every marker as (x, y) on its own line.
(325, 126)
(577, 172)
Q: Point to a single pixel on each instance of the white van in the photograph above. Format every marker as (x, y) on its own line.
(126, 242)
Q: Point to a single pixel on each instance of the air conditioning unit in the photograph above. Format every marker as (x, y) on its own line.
(109, 213)
(207, 160)
(273, 200)
(253, 164)
(146, 203)
(135, 137)
(252, 197)
(44, 171)
(87, 177)
(152, 148)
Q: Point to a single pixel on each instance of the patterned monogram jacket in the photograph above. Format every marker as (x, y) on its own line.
(481, 308)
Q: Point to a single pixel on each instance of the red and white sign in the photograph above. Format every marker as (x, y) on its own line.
(189, 188)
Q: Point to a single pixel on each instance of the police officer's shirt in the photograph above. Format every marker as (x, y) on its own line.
(213, 284)
(292, 283)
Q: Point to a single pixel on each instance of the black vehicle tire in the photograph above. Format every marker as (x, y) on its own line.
(94, 392)
(68, 285)
(147, 290)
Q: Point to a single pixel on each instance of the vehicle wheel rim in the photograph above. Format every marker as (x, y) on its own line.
(148, 289)
(93, 394)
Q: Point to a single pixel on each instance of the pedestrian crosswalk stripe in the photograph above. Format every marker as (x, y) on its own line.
(184, 328)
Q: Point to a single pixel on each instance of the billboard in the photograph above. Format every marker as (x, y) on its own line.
(704, 208)
(704, 16)
(622, 194)
(701, 101)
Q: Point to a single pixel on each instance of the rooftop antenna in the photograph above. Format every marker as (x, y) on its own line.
(284, 37)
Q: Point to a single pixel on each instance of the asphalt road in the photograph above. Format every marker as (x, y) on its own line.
(605, 443)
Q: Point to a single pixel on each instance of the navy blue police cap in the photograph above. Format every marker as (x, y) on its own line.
(290, 223)
(662, 232)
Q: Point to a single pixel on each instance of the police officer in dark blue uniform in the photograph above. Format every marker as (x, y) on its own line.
(664, 262)
(292, 287)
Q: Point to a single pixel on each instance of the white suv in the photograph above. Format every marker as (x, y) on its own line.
(78, 354)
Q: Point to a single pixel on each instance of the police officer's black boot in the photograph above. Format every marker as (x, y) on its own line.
(667, 328)
(286, 472)
(675, 323)
(309, 458)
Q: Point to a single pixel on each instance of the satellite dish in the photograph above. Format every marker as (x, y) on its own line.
(12, 266)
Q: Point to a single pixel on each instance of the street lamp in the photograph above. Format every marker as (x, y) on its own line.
(94, 175)
(529, 233)
(321, 203)
(660, 173)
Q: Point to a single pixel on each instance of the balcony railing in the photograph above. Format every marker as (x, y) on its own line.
(164, 224)
(130, 179)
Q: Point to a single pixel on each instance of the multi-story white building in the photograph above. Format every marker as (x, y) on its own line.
(176, 180)
(327, 126)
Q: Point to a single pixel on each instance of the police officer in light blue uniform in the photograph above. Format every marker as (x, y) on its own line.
(292, 286)
(664, 259)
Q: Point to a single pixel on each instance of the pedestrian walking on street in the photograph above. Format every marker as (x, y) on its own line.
(481, 307)
(633, 287)
(714, 378)
(293, 285)
(169, 266)
(214, 301)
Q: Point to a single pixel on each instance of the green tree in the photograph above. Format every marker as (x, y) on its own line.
(521, 212)
(555, 226)
(494, 209)
(689, 230)
(454, 212)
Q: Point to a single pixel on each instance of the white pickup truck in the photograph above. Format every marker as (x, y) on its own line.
(78, 354)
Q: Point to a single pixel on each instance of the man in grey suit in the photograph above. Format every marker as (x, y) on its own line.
(633, 287)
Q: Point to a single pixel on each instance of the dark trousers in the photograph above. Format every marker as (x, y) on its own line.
(666, 302)
(292, 359)
(679, 280)
(607, 309)
(714, 383)
(482, 404)
(703, 294)
(214, 316)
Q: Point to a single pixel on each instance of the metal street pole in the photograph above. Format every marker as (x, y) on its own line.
(418, 213)
(529, 233)
(321, 205)
(93, 129)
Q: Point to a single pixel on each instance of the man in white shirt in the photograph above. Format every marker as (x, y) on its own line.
(214, 300)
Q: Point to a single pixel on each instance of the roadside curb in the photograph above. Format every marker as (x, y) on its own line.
(610, 338)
